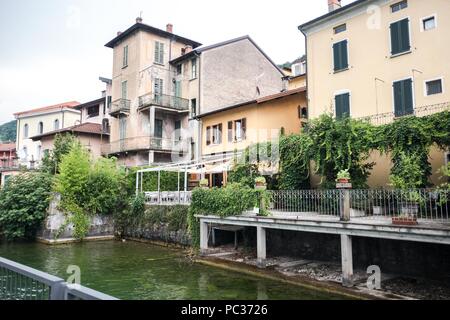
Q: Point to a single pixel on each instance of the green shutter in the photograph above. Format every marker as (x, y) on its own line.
(340, 53)
(342, 102)
(400, 41)
(403, 98)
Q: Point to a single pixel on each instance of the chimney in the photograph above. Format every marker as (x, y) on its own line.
(119, 33)
(169, 28)
(187, 49)
(333, 5)
(138, 20)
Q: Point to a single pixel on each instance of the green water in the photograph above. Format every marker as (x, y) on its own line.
(139, 271)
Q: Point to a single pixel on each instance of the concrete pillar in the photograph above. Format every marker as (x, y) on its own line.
(347, 260)
(261, 246)
(203, 237)
(345, 206)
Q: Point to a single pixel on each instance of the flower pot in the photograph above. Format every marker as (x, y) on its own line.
(343, 180)
(405, 221)
(260, 186)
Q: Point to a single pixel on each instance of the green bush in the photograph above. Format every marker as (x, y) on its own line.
(232, 200)
(52, 159)
(88, 188)
(23, 205)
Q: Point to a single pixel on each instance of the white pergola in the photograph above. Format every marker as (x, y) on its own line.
(212, 164)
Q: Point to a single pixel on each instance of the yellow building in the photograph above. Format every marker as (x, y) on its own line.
(235, 128)
(380, 59)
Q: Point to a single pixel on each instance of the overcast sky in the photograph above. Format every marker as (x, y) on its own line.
(53, 51)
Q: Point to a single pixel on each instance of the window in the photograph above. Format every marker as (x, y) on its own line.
(93, 111)
(41, 128)
(124, 89)
(159, 52)
(56, 124)
(342, 105)
(403, 98)
(433, 87)
(400, 41)
(25, 153)
(158, 89)
(122, 128)
(177, 130)
(302, 112)
(208, 136)
(296, 69)
(399, 6)
(125, 57)
(105, 125)
(340, 53)
(339, 29)
(38, 152)
(109, 101)
(217, 134)
(193, 68)
(179, 69)
(428, 23)
(193, 108)
(230, 131)
(25, 131)
(240, 129)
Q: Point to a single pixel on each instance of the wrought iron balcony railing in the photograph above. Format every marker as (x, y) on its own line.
(163, 100)
(389, 117)
(139, 144)
(120, 106)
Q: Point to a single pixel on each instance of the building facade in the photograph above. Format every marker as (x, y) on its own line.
(378, 56)
(146, 107)
(380, 59)
(162, 82)
(39, 121)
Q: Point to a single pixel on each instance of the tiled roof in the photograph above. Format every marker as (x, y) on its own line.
(69, 104)
(7, 146)
(88, 127)
(256, 101)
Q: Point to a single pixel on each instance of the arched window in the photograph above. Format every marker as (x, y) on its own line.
(41, 128)
(56, 124)
(25, 130)
(25, 153)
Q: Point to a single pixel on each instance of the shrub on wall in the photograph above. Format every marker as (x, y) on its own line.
(24, 201)
(88, 188)
(169, 180)
(232, 200)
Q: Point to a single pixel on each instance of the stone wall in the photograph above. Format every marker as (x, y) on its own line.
(53, 227)
(166, 224)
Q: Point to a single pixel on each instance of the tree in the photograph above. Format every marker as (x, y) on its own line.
(62, 146)
(23, 204)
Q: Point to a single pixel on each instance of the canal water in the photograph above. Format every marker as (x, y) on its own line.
(138, 271)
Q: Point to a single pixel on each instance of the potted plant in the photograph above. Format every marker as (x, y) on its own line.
(204, 183)
(260, 183)
(343, 176)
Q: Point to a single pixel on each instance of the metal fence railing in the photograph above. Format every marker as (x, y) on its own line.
(424, 204)
(19, 282)
(324, 202)
(168, 197)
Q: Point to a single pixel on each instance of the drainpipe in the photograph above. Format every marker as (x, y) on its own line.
(198, 111)
(307, 68)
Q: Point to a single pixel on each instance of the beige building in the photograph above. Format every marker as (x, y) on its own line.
(39, 121)
(145, 108)
(380, 59)
(162, 82)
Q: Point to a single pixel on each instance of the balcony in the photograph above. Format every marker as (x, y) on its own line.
(389, 117)
(139, 144)
(164, 101)
(120, 107)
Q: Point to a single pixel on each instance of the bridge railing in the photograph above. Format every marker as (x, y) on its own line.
(19, 282)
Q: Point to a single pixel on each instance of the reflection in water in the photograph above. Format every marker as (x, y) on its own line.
(139, 271)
